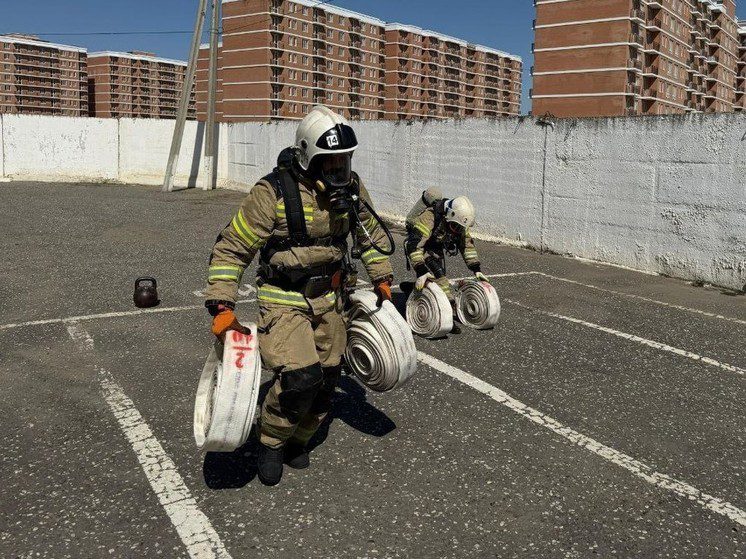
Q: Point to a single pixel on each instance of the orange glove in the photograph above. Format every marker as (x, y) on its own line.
(226, 320)
(383, 290)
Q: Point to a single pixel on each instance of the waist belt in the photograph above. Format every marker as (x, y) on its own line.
(312, 282)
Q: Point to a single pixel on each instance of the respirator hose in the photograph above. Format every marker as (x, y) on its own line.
(385, 252)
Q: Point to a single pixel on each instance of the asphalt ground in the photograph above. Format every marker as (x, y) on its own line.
(603, 416)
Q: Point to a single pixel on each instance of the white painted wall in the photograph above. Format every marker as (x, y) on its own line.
(60, 148)
(133, 151)
(658, 194)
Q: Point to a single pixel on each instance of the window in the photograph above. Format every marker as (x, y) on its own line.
(305, 61)
(305, 93)
(304, 76)
(305, 26)
(305, 43)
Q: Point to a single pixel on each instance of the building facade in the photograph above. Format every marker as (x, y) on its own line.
(279, 58)
(634, 57)
(135, 85)
(37, 77)
(201, 79)
(740, 104)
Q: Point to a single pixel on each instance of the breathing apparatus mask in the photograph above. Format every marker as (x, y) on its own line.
(332, 173)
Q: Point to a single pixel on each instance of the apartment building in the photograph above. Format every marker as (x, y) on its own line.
(279, 58)
(740, 104)
(634, 57)
(433, 75)
(135, 85)
(201, 79)
(37, 77)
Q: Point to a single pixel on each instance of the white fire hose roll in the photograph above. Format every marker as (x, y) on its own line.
(228, 392)
(429, 312)
(477, 304)
(380, 347)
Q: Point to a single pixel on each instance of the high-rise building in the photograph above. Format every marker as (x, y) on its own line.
(135, 85)
(279, 58)
(203, 72)
(37, 77)
(634, 57)
(740, 104)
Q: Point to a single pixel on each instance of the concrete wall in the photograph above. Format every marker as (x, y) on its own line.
(658, 194)
(61, 149)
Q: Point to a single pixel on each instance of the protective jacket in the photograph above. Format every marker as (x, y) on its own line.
(285, 267)
(428, 238)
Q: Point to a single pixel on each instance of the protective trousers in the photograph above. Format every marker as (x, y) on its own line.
(305, 351)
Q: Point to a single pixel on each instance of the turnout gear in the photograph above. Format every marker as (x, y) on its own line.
(295, 220)
(427, 200)
(269, 465)
(430, 237)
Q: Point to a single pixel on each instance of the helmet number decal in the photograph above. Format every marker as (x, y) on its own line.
(332, 140)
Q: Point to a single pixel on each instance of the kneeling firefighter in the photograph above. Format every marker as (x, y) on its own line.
(437, 226)
(299, 218)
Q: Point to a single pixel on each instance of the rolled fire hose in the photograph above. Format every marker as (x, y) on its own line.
(477, 304)
(380, 347)
(228, 392)
(429, 312)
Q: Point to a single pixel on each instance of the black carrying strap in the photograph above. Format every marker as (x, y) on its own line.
(290, 194)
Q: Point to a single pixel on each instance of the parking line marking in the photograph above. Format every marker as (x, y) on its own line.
(632, 338)
(642, 298)
(194, 528)
(83, 318)
(639, 469)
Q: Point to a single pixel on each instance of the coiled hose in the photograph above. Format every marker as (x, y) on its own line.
(380, 347)
(429, 312)
(477, 304)
(228, 392)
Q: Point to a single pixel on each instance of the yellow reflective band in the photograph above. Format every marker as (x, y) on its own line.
(417, 256)
(226, 272)
(244, 231)
(422, 229)
(372, 256)
(288, 298)
(281, 212)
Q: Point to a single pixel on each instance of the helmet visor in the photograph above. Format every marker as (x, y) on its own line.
(336, 169)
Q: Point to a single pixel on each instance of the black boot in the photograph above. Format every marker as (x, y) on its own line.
(406, 287)
(296, 456)
(269, 465)
(456, 328)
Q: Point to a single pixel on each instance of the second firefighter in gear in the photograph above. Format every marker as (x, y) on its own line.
(437, 226)
(299, 220)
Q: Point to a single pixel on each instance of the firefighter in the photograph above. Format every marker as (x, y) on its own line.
(299, 219)
(437, 226)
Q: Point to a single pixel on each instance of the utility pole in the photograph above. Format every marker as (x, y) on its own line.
(186, 95)
(211, 148)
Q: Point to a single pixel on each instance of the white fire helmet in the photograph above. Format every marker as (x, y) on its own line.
(460, 211)
(324, 132)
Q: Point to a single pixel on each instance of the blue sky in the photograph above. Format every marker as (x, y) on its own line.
(501, 24)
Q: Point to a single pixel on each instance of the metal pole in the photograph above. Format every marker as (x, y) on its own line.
(186, 96)
(212, 92)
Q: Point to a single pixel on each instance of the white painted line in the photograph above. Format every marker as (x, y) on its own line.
(632, 338)
(194, 528)
(646, 299)
(639, 469)
(86, 317)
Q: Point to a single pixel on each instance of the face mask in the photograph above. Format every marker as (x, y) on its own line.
(336, 170)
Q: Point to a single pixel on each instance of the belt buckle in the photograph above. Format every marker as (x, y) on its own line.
(316, 286)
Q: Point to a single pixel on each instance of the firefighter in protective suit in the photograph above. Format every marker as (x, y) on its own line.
(437, 226)
(299, 219)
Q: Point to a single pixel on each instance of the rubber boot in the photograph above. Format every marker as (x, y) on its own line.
(269, 465)
(296, 456)
(456, 328)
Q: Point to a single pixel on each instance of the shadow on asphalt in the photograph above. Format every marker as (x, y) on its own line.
(233, 470)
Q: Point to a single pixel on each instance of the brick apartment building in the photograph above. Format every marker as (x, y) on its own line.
(281, 57)
(634, 57)
(203, 72)
(135, 85)
(740, 104)
(37, 77)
